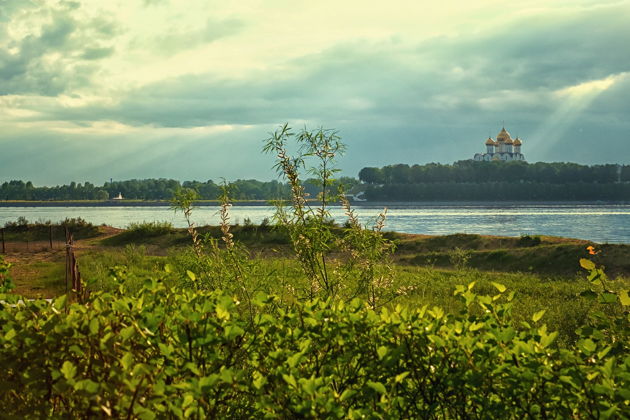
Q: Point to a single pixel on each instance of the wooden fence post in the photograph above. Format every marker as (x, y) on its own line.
(50, 237)
(67, 259)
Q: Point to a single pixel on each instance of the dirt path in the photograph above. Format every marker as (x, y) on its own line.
(39, 271)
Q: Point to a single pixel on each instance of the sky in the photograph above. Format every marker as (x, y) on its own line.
(190, 89)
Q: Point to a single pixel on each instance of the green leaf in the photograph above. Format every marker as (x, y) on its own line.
(547, 339)
(127, 360)
(589, 294)
(476, 326)
(536, 317)
(289, 379)
(587, 264)
(568, 380)
(592, 375)
(227, 376)
(400, 377)
(606, 414)
(381, 352)
(94, 326)
(60, 302)
(222, 313)
(87, 385)
(10, 335)
(624, 298)
(259, 379)
(501, 288)
(191, 275)
(348, 393)
(146, 415)
(437, 340)
(233, 331)
(190, 366)
(127, 332)
(588, 346)
(607, 297)
(377, 386)
(188, 399)
(68, 370)
(293, 361)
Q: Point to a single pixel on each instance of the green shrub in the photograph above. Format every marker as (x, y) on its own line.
(171, 353)
(527, 241)
(22, 230)
(149, 229)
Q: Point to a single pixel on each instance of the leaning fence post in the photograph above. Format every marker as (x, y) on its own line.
(67, 258)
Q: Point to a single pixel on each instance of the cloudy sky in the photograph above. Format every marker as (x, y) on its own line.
(188, 89)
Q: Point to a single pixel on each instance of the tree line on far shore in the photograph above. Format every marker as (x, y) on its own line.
(469, 180)
(158, 189)
(469, 171)
(464, 180)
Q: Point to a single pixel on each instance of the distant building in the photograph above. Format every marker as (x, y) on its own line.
(118, 197)
(503, 148)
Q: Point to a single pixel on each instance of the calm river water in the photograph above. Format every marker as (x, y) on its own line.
(599, 223)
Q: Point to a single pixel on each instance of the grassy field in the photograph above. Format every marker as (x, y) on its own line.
(543, 272)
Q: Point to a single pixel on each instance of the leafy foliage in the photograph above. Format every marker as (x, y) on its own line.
(6, 284)
(311, 230)
(176, 352)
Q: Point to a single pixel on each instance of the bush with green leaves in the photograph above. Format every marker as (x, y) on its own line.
(174, 352)
(6, 284)
(148, 229)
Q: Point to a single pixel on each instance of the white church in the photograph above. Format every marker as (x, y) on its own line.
(503, 148)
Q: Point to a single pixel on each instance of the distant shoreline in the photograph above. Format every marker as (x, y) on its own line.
(391, 204)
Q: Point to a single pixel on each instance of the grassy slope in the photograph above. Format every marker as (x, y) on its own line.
(544, 275)
(543, 255)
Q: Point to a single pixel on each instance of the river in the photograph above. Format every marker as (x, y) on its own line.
(603, 223)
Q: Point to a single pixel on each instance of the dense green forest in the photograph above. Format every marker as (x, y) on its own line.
(470, 171)
(158, 189)
(470, 180)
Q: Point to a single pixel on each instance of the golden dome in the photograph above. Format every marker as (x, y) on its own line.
(509, 141)
(517, 142)
(490, 142)
(503, 135)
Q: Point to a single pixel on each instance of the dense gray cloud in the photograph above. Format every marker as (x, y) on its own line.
(57, 58)
(560, 81)
(512, 71)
